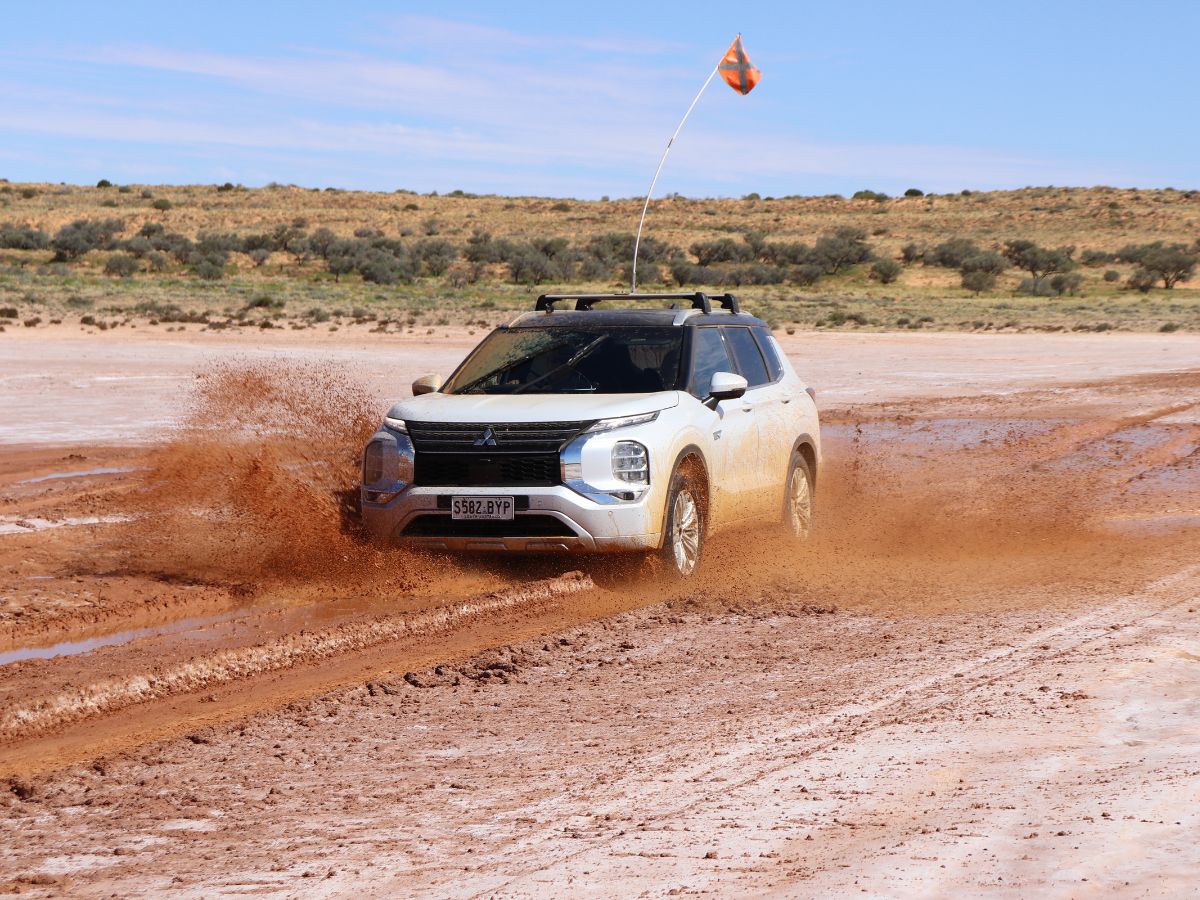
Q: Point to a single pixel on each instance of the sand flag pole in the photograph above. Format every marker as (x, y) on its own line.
(735, 67)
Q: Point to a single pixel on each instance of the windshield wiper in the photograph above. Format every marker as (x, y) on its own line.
(579, 354)
(466, 388)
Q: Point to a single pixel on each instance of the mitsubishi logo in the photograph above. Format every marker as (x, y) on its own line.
(487, 439)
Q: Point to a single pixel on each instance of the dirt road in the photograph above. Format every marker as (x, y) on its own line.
(977, 679)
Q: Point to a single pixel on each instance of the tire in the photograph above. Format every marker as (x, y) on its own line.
(798, 499)
(684, 524)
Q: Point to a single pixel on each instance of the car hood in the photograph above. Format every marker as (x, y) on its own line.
(492, 408)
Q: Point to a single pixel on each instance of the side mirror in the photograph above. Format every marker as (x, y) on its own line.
(727, 386)
(427, 384)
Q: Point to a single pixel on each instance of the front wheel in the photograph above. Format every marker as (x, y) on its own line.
(798, 500)
(683, 542)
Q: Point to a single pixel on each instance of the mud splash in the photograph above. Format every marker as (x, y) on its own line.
(913, 518)
(256, 488)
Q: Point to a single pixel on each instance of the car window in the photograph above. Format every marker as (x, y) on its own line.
(747, 356)
(767, 346)
(571, 361)
(708, 358)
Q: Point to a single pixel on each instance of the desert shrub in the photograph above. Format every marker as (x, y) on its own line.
(978, 281)
(162, 204)
(266, 301)
(210, 268)
(1112, 275)
(1039, 261)
(531, 266)
(1095, 258)
(157, 261)
(845, 247)
(208, 242)
(124, 189)
(1168, 327)
(225, 188)
(481, 248)
(8, 312)
(178, 245)
(104, 183)
(431, 227)
(147, 194)
(378, 266)
(342, 258)
(1066, 283)
(886, 271)
(22, 237)
(984, 261)
(33, 322)
(138, 246)
(29, 193)
(914, 192)
(1142, 280)
(806, 274)
(912, 253)
(259, 256)
(787, 254)
(593, 269)
(368, 233)
(951, 254)
(320, 241)
(720, 250)
(877, 196)
(1037, 287)
(755, 273)
(435, 254)
(84, 235)
(120, 265)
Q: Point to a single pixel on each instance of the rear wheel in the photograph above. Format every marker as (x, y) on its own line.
(798, 499)
(683, 543)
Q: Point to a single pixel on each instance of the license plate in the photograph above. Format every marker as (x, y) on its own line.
(481, 507)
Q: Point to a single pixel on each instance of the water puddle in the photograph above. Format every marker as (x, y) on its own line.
(87, 645)
(30, 524)
(82, 473)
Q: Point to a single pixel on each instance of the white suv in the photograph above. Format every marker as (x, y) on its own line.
(600, 429)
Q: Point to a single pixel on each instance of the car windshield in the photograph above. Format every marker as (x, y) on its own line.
(571, 361)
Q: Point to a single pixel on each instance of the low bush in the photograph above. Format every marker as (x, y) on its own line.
(886, 271)
(120, 265)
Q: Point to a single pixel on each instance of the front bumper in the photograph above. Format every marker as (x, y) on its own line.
(554, 519)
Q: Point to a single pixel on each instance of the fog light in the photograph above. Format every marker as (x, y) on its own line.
(631, 462)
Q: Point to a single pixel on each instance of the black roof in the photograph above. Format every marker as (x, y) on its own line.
(696, 308)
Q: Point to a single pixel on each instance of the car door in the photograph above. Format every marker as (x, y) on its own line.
(762, 403)
(734, 452)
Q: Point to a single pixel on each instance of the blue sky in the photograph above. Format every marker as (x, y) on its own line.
(577, 99)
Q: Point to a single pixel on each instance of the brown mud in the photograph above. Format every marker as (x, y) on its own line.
(970, 551)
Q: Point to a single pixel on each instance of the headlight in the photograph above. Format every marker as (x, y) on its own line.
(630, 462)
(395, 424)
(373, 463)
(610, 424)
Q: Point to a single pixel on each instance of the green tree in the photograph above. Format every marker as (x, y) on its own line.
(1039, 261)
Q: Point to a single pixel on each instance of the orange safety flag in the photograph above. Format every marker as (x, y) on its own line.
(737, 69)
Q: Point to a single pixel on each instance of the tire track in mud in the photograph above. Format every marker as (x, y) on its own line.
(304, 647)
(673, 791)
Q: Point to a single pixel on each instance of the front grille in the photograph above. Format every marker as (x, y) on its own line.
(483, 437)
(441, 525)
(490, 470)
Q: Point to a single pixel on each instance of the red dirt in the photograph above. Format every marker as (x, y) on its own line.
(938, 694)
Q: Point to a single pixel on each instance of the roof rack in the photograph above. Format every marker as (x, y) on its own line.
(699, 299)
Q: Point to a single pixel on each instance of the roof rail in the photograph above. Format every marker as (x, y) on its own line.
(699, 299)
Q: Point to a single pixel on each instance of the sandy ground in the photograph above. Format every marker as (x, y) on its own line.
(977, 680)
